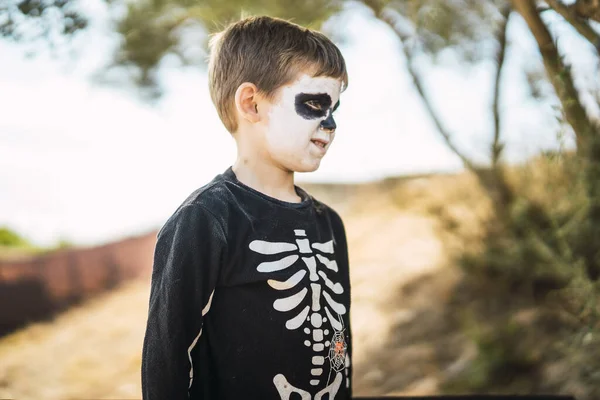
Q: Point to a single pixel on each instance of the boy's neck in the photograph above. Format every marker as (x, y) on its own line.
(266, 178)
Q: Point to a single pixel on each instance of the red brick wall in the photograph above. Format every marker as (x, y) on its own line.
(36, 288)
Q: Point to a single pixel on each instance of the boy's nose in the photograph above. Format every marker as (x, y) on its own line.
(328, 124)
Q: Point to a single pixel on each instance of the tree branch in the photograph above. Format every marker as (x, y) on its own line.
(500, 55)
(380, 14)
(579, 24)
(559, 74)
(587, 9)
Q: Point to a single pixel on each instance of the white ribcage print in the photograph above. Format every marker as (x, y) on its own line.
(322, 307)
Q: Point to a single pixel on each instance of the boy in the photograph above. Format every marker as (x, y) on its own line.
(250, 292)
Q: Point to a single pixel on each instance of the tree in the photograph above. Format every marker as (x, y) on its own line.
(50, 20)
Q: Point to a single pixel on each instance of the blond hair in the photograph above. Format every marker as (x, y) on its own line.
(268, 52)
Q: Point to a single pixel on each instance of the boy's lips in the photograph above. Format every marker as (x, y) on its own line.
(320, 143)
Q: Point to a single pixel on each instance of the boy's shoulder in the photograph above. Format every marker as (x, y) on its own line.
(204, 200)
(210, 196)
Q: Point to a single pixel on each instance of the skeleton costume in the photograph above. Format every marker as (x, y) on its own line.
(250, 299)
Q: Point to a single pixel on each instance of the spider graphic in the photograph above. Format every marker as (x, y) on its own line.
(337, 351)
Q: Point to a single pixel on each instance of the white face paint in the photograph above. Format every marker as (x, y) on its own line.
(294, 136)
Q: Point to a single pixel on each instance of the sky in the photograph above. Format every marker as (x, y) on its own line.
(91, 163)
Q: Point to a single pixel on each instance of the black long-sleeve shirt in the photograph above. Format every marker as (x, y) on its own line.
(250, 299)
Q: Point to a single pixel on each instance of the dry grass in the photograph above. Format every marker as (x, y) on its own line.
(92, 351)
(398, 231)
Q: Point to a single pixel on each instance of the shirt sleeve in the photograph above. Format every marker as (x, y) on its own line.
(187, 259)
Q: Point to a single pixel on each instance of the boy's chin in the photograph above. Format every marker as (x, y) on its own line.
(312, 167)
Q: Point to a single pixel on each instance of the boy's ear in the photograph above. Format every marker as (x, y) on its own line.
(246, 101)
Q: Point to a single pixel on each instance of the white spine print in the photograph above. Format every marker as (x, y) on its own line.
(316, 312)
(347, 370)
(311, 264)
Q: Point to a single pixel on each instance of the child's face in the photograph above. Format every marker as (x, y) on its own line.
(300, 127)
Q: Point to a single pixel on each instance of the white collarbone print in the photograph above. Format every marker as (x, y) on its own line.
(321, 318)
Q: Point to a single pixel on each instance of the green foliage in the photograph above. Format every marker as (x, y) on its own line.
(591, 228)
(463, 26)
(10, 241)
(537, 257)
(505, 359)
(28, 20)
(152, 29)
(10, 238)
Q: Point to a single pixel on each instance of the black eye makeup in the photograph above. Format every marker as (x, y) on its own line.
(312, 106)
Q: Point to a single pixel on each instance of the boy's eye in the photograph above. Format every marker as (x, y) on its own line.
(313, 104)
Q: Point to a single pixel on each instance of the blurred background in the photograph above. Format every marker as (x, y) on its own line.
(466, 167)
